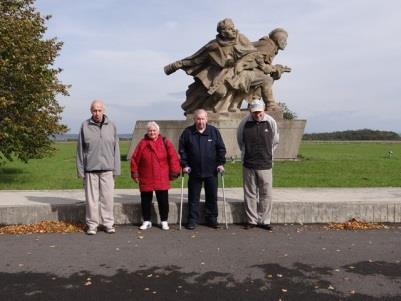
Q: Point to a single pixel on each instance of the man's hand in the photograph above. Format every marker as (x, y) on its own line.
(220, 168)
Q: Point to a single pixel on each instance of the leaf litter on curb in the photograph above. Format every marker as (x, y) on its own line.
(354, 224)
(43, 227)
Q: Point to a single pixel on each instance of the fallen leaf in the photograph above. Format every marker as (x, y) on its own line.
(42, 227)
(330, 287)
(354, 224)
(284, 290)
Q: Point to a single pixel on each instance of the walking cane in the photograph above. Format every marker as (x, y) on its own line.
(224, 198)
(182, 196)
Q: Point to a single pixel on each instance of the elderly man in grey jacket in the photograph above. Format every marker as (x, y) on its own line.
(257, 138)
(98, 162)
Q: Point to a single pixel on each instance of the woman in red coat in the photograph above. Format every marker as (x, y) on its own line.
(153, 164)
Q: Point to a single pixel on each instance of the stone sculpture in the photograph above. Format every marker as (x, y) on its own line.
(230, 69)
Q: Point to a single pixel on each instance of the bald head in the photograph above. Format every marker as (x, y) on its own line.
(97, 110)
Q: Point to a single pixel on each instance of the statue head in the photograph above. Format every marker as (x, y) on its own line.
(279, 36)
(226, 29)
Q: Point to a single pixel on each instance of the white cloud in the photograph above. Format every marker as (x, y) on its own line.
(345, 55)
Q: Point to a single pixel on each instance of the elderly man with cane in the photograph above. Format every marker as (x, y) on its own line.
(202, 152)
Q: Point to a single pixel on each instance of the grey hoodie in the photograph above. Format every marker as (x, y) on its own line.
(98, 148)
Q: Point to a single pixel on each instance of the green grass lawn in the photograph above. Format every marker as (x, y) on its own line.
(320, 165)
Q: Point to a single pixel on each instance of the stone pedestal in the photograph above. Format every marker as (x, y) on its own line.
(291, 132)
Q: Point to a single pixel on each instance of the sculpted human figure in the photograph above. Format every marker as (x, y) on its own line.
(256, 72)
(211, 66)
(230, 68)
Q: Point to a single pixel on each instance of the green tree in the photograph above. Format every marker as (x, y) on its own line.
(287, 113)
(29, 112)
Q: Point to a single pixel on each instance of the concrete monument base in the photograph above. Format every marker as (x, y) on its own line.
(291, 132)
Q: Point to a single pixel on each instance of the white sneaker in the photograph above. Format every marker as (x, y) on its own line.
(165, 226)
(146, 225)
(110, 230)
(91, 231)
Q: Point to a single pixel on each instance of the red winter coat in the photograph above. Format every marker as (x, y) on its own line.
(154, 163)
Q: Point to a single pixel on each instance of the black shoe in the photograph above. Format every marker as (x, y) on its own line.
(190, 226)
(267, 227)
(213, 225)
(249, 226)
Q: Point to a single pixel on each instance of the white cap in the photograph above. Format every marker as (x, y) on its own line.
(257, 105)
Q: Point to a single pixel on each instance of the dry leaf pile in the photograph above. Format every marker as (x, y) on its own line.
(354, 224)
(42, 227)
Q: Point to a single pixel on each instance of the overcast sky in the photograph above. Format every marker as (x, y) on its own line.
(345, 56)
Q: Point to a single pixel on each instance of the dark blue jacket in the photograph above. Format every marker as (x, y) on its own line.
(202, 152)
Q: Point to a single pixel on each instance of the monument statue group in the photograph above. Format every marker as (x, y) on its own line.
(230, 69)
(227, 71)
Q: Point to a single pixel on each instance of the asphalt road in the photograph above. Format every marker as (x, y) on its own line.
(290, 263)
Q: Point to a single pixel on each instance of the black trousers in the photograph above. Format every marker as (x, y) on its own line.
(162, 201)
(194, 189)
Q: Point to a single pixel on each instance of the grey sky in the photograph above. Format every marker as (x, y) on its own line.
(345, 56)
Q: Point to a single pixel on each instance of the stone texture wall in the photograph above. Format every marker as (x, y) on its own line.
(291, 132)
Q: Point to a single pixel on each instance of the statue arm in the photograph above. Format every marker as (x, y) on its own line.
(197, 58)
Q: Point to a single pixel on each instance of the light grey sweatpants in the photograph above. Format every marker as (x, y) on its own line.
(258, 195)
(99, 190)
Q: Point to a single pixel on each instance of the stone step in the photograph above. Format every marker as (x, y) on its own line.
(290, 205)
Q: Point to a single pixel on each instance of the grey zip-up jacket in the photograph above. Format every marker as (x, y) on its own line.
(98, 148)
(240, 131)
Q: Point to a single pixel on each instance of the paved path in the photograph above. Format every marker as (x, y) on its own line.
(291, 205)
(292, 263)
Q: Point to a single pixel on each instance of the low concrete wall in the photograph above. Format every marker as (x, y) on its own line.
(291, 132)
(293, 205)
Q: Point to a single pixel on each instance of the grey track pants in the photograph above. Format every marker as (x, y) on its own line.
(258, 195)
(99, 190)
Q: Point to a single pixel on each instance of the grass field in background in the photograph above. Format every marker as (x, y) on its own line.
(320, 165)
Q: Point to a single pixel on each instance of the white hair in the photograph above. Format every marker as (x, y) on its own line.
(198, 112)
(95, 102)
(152, 124)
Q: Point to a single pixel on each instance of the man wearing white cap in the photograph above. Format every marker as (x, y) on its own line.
(257, 138)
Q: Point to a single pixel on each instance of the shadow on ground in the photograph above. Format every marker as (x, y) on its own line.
(302, 282)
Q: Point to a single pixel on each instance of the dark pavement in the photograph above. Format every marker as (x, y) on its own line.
(290, 263)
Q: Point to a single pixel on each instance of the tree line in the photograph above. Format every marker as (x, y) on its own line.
(363, 134)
